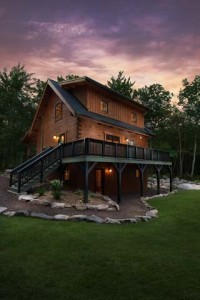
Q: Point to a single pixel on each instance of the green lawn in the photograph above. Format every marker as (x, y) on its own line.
(42, 259)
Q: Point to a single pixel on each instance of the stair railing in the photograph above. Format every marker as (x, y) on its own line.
(37, 167)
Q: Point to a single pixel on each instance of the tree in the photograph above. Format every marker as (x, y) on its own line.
(189, 99)
(18, 102)
(122, 85)
(67, 77)
(158, 101)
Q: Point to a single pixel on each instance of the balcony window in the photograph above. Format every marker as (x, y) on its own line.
(104, 106)
(112, 138)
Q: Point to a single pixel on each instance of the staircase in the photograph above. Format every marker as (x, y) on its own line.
(34, 170)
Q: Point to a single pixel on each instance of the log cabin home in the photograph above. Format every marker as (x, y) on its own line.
(93, 138)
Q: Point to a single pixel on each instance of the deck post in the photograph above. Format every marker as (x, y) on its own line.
(86, 173)
(41, 170)
(141, 168)
(170, 178)
(119, 168)
(158, 169)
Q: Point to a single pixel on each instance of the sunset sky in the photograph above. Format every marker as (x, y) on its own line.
(153, 41)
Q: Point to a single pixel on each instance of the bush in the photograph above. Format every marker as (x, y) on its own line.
(41, 191)
(56, 186)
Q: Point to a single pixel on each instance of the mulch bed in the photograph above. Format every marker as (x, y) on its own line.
(130, 206)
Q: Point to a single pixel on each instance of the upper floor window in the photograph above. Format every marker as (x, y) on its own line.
(133, 117)
(104, 106)
(58, 111)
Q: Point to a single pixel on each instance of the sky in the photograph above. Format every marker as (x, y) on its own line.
(152, 41)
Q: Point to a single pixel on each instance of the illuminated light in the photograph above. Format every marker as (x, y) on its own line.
(108, 170)
(127, 140)
(54, 137)
(140, 137)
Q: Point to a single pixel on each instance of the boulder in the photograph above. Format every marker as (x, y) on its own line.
(2, 209)
(77, 217)
(68, 205)
(92, 206)
(41, 202)
(128, 220)
(41, 216)
(9, 213)
(57, 205)
(112, 221)
(153, 213)
(94, 219)
(27, 198)
(102, 207)
(61, 217)
(23, 212)
(81, 206)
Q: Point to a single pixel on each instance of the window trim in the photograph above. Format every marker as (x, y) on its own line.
(102, 109)
(58, 111)
(133, 120)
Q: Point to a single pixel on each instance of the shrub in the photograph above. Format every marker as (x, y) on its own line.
(56, 194)
(56, 186)
(41, 191)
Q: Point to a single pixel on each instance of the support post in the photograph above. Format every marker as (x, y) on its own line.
(158, 169)
(86, 173)
(142, 168)
(170, 178)
(119, 168)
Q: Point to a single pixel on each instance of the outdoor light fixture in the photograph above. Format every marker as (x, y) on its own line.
(127, 140)
(140, 137)
(108, 170)
(55, 137)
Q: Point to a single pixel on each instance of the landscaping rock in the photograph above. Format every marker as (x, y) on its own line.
(57, 205)
(9, 213)
(68, 205)
(27, 198)
(81, 206)
(23, 212)
(92, 206)
(94, 219)
(77, 217)
(2, 209)
(61, 217)
(112, 221)
(128, 220)
(41, 202)
(41, 216)
(102, 207)
(153, 213)
(111, 209)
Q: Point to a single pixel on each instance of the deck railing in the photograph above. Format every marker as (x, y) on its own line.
(102, 148)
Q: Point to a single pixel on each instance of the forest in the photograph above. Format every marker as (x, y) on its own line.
(174, 121)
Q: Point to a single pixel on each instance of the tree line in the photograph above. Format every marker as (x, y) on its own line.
(176, 126)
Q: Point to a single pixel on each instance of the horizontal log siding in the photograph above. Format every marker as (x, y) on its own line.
(91, 129)
(118, 110)
(67, 125)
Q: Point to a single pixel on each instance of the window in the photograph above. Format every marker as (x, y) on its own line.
(112, 138)
(58, 111)
(133, 117)
(104, 106)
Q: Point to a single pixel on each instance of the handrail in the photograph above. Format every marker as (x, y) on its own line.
(30, 160)
(39, 158)
(35, 167)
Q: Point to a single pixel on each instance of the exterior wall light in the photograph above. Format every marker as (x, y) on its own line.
(108, 171)
(55, 137)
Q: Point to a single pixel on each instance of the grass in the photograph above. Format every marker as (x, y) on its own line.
(41, 259)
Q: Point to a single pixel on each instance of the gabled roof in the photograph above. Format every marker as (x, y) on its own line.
(86, 79)
(78, 109)
(81, 111)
